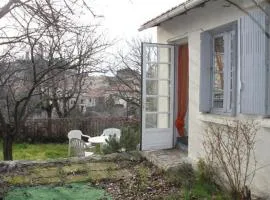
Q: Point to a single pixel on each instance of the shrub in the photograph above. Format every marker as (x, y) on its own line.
(232, 142)
(128, 141)
(130, 138)
(112, 146)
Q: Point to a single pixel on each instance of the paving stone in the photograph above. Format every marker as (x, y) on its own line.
(166, 159)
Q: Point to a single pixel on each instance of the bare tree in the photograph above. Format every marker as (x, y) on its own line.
(127, 72)
(42, 5)
(71, 84)
(57, 42)
(70, 87)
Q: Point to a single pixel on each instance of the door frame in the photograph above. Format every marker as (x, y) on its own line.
(177, 42)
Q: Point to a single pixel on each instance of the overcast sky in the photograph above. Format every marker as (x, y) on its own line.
(122, 18)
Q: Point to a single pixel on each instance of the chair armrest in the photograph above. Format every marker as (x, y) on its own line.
(87, 136)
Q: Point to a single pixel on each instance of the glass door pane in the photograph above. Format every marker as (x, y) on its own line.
(158, 63)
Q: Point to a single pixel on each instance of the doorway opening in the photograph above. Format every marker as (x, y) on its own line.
(182, 96)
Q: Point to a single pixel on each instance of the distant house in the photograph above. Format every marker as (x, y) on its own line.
(126, 89)
(95, 93)
(211, 64)
(118, 91)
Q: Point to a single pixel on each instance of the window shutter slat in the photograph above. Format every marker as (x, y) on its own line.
(253, 64)
(234, 56)
(205, 73)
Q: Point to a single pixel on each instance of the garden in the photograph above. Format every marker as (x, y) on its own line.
(118, 170)
(111, 176)
(45, 172)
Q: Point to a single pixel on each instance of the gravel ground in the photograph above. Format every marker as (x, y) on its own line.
(147, 182)
(123, 176)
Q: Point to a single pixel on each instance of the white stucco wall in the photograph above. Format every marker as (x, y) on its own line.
(188, 27)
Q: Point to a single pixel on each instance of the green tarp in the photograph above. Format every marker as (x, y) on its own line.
(78, 191)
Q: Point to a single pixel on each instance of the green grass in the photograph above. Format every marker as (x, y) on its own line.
(24, 151)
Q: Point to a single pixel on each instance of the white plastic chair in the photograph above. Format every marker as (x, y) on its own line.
(77, 148)
(78, 135)
(105, 135)
(112, 132)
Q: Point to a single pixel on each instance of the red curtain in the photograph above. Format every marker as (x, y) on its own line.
(182, 91)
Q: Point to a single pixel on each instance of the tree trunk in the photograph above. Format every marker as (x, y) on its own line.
(49, 115)
(246, 194)
(7, 147)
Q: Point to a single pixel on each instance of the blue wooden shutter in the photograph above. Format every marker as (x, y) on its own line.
(205, 72)
(268, 60)
(253, 64)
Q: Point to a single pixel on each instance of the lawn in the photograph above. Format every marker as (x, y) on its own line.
(24, 151)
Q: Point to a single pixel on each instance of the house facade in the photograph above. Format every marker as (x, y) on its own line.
(211, 65)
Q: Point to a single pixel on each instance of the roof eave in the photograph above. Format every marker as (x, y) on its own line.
(170, 14)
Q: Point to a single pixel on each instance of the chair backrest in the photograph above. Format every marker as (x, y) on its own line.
(77, 147)
(74, 134)
(112, 132)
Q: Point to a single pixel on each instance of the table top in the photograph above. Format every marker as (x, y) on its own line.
(98, 139)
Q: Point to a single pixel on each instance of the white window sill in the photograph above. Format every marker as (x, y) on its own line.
(265, 123)
(218, 119)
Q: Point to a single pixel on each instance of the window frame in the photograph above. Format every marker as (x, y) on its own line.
(213, 73)
(229, 33)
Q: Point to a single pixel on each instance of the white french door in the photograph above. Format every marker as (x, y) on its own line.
(157, 96)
